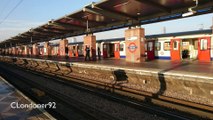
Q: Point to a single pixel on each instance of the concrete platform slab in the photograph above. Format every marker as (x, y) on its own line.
(160, 65)
(8, 95)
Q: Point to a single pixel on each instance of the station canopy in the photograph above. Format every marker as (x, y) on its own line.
(111, 14)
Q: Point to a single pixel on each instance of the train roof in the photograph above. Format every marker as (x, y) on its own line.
(101, 40)
(207, 31)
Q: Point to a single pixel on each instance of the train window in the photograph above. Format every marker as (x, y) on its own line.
(203, 44)
(105, 46)
(195, 43)
(175, 45)
(116, 47)
(166, 46)
(80, 50)
(185, 45)
(45, 50)
(150, 46)
(157, 46)
(145, 46)
(121, 47)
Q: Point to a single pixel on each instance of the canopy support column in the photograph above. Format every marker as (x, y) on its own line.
(35, 49)
(135, 45)
(26, 50)
(90, 42)
(62, 46)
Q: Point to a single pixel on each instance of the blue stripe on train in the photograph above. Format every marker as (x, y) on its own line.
(156, 57)
(163, 57)
(122, 56)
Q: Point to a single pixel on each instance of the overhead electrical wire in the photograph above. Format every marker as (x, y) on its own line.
(5, 6)
(11, 11)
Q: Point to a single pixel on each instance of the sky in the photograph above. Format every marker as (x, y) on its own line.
(33, 13)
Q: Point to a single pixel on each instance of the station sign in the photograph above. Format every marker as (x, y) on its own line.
(132, 47)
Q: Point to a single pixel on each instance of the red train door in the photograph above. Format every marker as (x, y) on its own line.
(52, 51)
(42, 51)
(76, 53)
(117, 50)
(175, 49)
(104, 50)
(204, 49)
(59, 53)
(70, 51)
(151, 50)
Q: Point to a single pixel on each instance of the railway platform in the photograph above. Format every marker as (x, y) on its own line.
(184, 82)
(11, 105)
(190, 67)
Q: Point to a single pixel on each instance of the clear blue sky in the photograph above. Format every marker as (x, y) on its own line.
(32, 13)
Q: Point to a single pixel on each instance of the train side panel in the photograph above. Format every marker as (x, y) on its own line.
(162, 49)
(211, 47)
(122, 49)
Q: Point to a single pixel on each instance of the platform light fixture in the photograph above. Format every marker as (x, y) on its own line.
(188, 13)
(190, 10)
(93, 4)
(138, 13)
(31, 29)
(50, 22)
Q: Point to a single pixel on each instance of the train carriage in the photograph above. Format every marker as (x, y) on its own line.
(190, 45)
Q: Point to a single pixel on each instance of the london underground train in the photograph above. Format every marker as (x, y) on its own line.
(173, 46)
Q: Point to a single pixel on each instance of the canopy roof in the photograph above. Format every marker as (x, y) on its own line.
(110, 14)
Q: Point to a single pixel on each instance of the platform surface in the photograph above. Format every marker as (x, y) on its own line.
(8, 95)
(192, 67)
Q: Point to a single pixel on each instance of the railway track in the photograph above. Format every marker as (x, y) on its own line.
(78, 110)
(203, 111)
(168, 113)
(187, 107)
